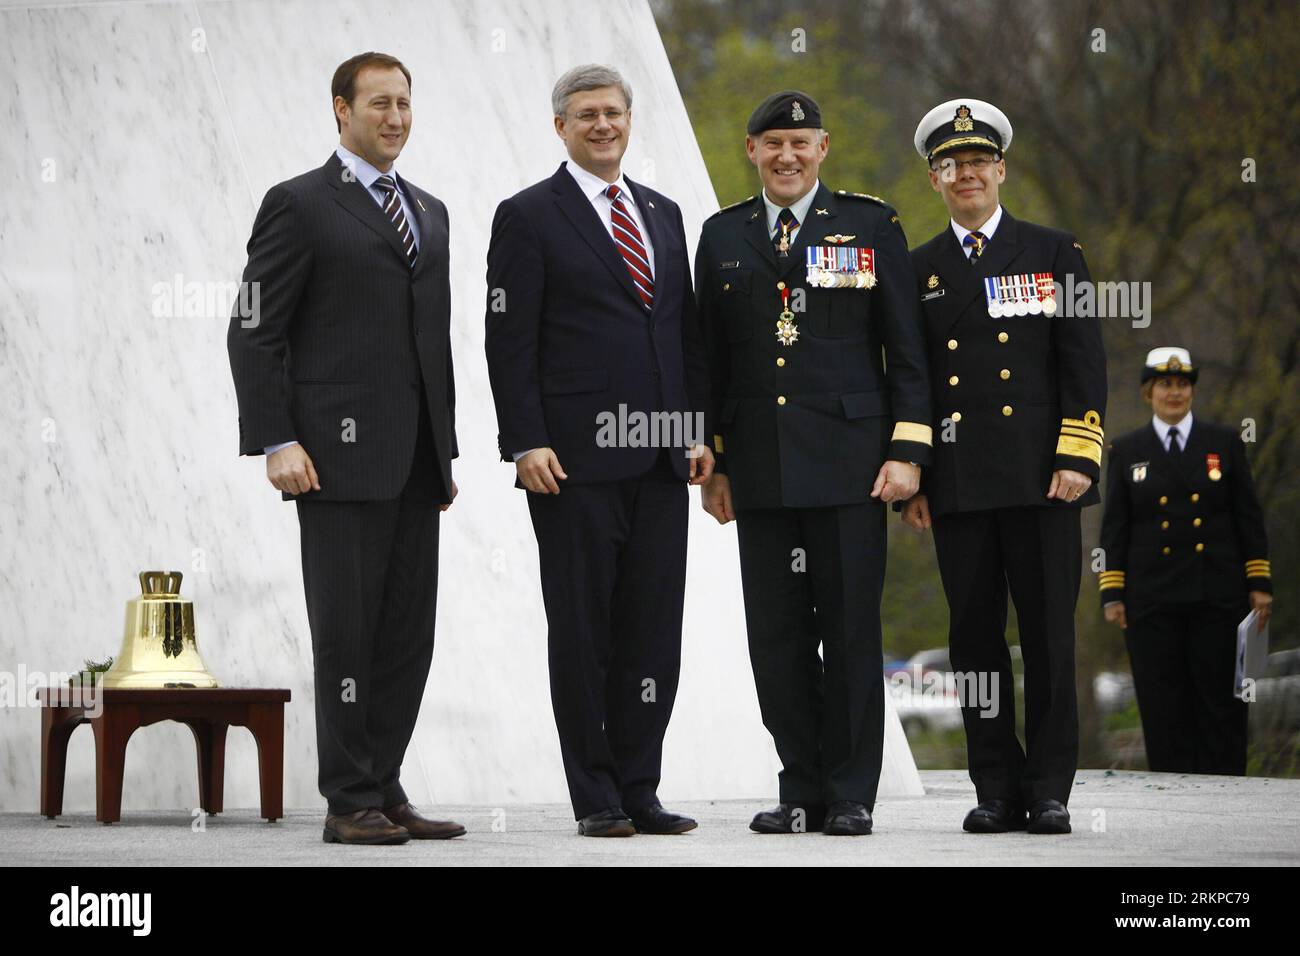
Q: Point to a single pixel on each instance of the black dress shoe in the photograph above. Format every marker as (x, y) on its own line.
(789, 818)
(995, 816)
(607, 823)
(366, 827)
(655, 819)
(846, 818)
(1049, 816)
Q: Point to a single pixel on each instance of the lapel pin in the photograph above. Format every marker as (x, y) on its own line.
(650, 204)
(420, 204)
(821, 212)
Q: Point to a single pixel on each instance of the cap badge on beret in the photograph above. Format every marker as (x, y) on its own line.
(796, 111)
(963, 123)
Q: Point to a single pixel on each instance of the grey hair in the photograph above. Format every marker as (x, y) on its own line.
(589, 76)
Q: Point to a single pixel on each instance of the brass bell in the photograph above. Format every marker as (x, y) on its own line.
(159, 648)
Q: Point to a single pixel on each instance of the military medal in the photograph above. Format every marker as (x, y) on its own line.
(783, 245)
(1020, 295)
(787, 333)
(1212, 467)
(840, 267)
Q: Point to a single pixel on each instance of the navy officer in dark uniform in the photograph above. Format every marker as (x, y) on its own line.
(806, 298)
(1186, 557)
(1019, 391)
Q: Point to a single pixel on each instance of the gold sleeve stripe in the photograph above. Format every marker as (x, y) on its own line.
(1259, 569)
(1112, 574)
(1092, 423)
(1112, 577)
(1079, 433)
(717, 444)
(1079, 448)
(911, 431)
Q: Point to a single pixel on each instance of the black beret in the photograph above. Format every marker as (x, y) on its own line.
(789, 109)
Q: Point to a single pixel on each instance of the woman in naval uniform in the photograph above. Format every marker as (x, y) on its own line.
(1186, 557)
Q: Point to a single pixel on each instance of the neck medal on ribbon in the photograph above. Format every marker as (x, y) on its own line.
(841, 267)
(1024, 294)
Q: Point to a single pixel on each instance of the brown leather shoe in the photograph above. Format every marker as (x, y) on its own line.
(364, 826)
(404, 815)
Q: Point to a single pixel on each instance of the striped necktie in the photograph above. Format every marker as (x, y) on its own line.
(628, 239)
(976, 241)
(393, 209)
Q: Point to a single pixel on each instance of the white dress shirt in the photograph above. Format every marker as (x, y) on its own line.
(1163, 430)
(799, 209)
(990, 226)
(366, 175)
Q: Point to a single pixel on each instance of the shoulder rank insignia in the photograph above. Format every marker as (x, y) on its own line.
(733, 205)
(837, 238)
(875, 199)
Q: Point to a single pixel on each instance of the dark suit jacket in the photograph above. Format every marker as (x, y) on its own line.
(347, 336)
(568, 338)
(850, 393)
(1045, 413)
(1159, 510)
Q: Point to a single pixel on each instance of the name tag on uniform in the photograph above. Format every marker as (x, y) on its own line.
(730, 265)
(933, 295)
(840, 267)
(1028, 293)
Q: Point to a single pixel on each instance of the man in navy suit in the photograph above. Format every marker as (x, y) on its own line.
(599, 379)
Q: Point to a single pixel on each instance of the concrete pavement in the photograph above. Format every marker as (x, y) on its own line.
(1120, 819)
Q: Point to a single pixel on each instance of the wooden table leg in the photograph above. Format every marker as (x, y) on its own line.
(210, 741)
(113, 729)
(57, 725)
(266, 721)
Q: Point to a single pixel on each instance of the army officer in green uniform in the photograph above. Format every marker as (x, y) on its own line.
(817, 367)
(1186, 557)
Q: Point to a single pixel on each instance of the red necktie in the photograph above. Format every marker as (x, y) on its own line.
(628, 239)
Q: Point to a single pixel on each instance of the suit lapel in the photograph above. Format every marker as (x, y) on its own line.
(429, 229)
(356, 199)
(578, 210)
(1193, 457)
(756, 233)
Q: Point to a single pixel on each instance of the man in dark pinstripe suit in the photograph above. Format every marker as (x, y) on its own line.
(344, 381)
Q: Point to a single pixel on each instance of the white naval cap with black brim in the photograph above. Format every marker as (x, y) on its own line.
(962, 124)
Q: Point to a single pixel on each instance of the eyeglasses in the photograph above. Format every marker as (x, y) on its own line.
(590, 116)
(978, 164)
